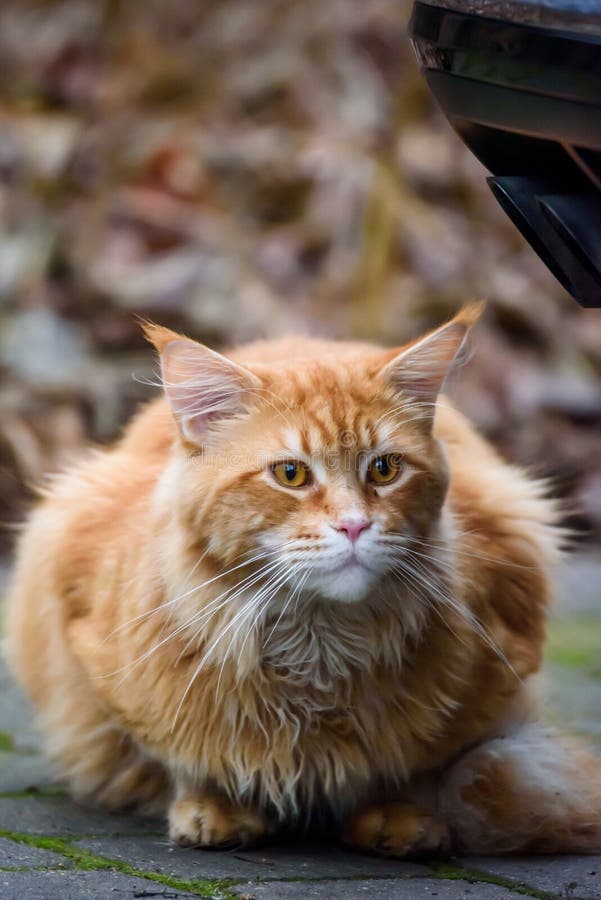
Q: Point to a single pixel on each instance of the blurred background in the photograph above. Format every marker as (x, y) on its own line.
(246, 169)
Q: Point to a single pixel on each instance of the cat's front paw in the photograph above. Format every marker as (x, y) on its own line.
(209, 822)
(396, 829)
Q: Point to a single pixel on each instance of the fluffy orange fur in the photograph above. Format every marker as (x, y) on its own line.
(205, 640)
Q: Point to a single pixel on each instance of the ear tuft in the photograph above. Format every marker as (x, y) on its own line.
(158, 335)
(469, 314)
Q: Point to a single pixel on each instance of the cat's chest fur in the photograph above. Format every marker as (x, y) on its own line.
(326, 713)
(320, 650)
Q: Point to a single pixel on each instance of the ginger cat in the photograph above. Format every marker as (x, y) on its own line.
(301, 587)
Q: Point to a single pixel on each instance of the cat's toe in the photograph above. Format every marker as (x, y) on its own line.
(434, 838)
(206, 823)
(396, 829)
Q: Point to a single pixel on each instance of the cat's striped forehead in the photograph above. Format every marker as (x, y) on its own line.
(332, 411)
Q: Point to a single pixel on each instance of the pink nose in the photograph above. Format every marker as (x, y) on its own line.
(352, 527)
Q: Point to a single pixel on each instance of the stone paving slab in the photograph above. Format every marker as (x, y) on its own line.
(16, 713)
(418, 889)
(16, 856)
(61, 816)
(577, 582)
(574, 701)
(21, 772)
(577, 877)
(301, 859)
(81, 886)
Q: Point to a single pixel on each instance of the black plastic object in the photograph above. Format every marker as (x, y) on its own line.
(521, 84)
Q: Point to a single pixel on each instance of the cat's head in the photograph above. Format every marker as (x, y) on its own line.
(320, 466)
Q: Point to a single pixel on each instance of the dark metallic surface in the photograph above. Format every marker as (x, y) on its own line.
(526, 100)
(553, 224)
(583, 16)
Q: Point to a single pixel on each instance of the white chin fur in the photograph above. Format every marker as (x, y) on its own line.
(348, 585)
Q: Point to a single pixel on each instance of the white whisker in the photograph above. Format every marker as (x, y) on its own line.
(437, 594)
(217, 640)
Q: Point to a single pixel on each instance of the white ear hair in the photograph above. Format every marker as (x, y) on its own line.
(202, 387)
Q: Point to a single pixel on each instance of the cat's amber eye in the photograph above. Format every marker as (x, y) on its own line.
(385, 469)
(292, 473)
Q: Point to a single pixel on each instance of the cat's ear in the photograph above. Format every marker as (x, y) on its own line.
(419, 370)
(202, 386)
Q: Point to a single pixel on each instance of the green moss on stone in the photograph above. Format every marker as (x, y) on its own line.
(449, 872)
(7, 744)
(576, 642)
(84, 861)
(35, 792)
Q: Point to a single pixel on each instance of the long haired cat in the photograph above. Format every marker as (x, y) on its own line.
(302, 586)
